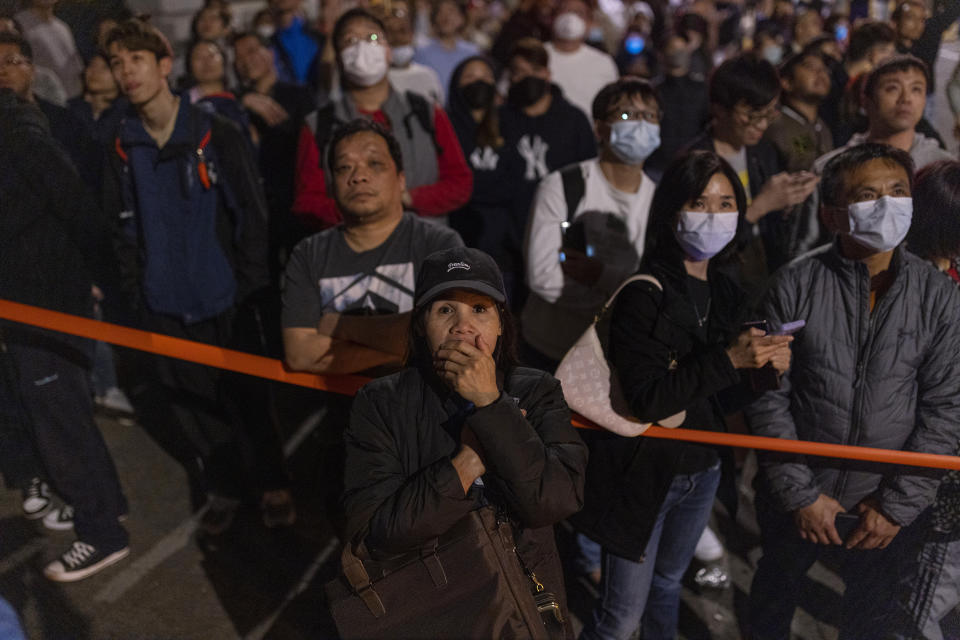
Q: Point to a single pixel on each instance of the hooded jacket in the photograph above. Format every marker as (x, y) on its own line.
(889, 379)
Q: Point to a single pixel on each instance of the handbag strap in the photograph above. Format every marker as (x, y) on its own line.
(635, 278)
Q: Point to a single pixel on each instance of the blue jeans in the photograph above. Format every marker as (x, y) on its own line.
(649, 591)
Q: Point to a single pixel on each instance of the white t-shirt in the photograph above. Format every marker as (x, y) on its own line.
(581, 74)
(54, 48)
(418, 78)
(614, 224)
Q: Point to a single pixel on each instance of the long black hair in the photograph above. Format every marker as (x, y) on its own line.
(935, 232)
(472, 134)
(685, 179)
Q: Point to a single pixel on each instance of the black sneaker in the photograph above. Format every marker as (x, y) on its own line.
(59, 519)
(219, 515)
(82, 560)
(36, 499)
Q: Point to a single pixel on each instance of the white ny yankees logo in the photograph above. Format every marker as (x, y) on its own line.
(535, 154)
(486, 159)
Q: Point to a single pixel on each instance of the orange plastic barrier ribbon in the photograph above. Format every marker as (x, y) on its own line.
(348, 385)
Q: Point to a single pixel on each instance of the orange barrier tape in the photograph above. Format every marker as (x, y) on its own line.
(348, 385)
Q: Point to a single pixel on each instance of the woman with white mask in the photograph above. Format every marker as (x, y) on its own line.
(677, 347)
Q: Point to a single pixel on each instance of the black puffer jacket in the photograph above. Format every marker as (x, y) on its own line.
(666, 364)
(889, 378)
(54, 240)
(401, 489)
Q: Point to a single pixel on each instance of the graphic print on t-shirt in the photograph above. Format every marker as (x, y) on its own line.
(389, 289)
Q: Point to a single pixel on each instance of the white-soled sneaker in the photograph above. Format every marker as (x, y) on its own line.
(82, 560)
(36, 499)
(59, 519)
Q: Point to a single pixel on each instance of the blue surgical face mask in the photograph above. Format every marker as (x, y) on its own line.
(881, 224)
(704, 235)
(634, 140)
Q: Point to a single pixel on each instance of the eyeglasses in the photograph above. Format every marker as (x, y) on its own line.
(13, 61)
(619, 115)
(753, 117)
(351, 40)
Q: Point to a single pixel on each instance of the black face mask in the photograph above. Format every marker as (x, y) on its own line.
(478, 94)
(527, 91)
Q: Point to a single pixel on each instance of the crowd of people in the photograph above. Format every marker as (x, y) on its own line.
(444, 196)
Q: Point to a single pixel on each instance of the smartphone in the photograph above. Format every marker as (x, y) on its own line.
(789, 328)
(845, 523)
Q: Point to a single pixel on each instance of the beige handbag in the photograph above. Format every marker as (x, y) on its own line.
(589, 385)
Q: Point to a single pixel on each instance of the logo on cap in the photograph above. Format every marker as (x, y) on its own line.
(458, 265)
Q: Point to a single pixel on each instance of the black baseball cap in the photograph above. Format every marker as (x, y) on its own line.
(459, 268)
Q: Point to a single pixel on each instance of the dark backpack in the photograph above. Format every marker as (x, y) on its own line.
(574, 188)
(420, 108)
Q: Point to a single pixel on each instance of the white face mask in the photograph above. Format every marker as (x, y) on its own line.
(402, 55)
(265, 31)
(364, 63)
(634, 140)
(704, 235)
(880, 224)
(569, 26)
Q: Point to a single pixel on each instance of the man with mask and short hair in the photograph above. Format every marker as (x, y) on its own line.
(874, 366)
(686, 104)
(405, 74)
(894, 96)
(438, 179)
(549, 133)
(577, 68)
(588, 223)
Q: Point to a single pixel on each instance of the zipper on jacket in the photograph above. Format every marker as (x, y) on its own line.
(863, 357)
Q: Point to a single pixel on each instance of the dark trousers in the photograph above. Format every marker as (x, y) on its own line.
(870, 577)
(218, 425)
(19, 462)
(53, 384)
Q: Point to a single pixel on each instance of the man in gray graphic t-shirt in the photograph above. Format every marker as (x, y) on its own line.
(348, 290)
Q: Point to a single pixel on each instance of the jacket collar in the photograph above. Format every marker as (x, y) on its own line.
(185, 137)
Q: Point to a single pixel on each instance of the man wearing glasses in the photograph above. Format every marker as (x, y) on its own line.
(743, 102)
(438, 179)
(588, 223)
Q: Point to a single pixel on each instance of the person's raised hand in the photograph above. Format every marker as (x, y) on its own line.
(581, 268)
(782, 191)
(753, 348)
(266, 107)
(815, 522)
(780, 359)
(469, 369)
(875, 530)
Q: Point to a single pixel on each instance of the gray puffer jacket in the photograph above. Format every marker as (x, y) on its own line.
(888, 379)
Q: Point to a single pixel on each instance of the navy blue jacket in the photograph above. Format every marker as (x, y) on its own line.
(191, 217)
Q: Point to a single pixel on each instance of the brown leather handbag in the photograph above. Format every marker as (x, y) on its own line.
(468, 583)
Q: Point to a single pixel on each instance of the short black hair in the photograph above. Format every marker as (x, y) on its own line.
(531, 50)
(436, 4)
(935, 231)
(347, 17)
(137, 34)
(364, 125)
(867, 36)
(833, 178)
(684, 179)
(627, 86)
(240, 35)
(896, 64)
(16, 39)
(744, 78)
(789, 66)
